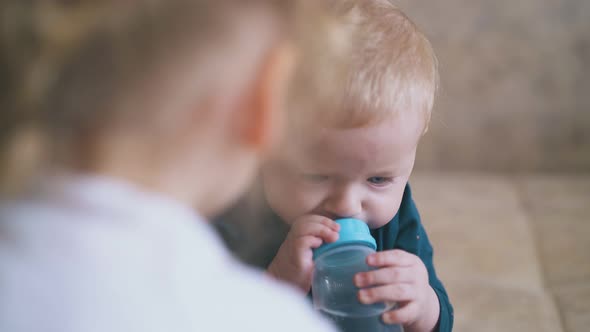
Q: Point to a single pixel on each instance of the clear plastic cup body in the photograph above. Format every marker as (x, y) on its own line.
(336, 296)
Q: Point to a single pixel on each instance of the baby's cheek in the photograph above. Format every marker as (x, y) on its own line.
(294, 205)
(383, 211)
(307, 202)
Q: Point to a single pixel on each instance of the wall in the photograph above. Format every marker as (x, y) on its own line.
(515, 84)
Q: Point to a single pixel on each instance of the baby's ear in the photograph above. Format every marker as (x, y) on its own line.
(262, 114)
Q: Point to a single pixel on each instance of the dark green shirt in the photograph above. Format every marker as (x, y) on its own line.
(256, 236)
(405, 232)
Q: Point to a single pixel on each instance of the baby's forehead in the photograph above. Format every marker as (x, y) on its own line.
(381, 145)
(310, 131)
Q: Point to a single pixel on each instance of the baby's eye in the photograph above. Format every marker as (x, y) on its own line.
(315, 177)
(379, 180)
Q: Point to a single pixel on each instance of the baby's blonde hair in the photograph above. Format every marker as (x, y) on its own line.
(393, 68)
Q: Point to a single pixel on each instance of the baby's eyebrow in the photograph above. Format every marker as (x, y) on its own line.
(383, 174)
(397, 170)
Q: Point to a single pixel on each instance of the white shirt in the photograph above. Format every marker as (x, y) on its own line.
(91, 254)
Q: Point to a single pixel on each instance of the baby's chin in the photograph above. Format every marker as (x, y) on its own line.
(374, 224)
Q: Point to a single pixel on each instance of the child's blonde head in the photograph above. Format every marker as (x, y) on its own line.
(76, 65)
(72, 71)
(393, 69)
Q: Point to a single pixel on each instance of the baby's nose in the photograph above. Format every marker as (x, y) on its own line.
(343, 206)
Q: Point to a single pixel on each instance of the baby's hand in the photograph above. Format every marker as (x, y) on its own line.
(401, 278)
(294, 261)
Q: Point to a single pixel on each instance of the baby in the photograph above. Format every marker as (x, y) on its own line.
(352, 155)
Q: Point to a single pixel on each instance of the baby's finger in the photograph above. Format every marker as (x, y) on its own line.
(404, 315)
(317, 219)
(384, 276)
(317, 229)
(307, 242)
(391, 258)
(387, 293)
(327, 222)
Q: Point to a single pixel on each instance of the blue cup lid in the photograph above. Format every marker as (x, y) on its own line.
(352, 231)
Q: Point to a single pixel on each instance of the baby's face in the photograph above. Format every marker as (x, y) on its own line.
(337, 173)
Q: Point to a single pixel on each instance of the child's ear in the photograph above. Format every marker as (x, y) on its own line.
(261, 121)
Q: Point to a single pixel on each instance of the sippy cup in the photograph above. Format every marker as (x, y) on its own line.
(333, 290)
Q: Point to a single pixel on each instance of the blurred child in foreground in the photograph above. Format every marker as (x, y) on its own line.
(134, 113)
